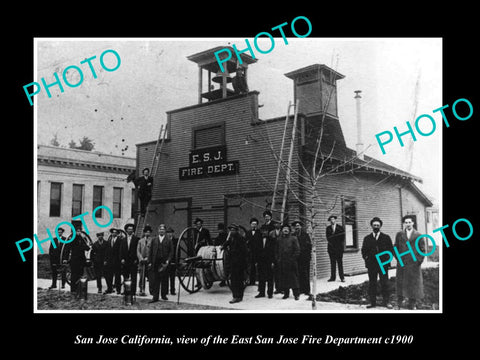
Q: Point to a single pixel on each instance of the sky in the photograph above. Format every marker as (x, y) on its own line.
(400, 79)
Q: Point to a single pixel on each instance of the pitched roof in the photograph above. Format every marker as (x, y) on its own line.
(333, 144)
(370, 165)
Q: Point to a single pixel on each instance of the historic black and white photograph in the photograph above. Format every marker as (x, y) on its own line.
(278, 174)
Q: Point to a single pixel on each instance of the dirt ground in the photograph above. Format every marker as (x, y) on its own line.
(64, 300)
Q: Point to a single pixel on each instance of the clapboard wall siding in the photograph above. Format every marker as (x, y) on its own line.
(375, 195)
(258, 165)
(247, 141)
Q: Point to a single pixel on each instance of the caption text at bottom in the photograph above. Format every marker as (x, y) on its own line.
(141, 340)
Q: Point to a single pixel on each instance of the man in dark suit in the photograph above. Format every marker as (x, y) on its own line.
(264, 257)
(336, 244)
(112, 262)
(160, 256)
(128, 256)
(373, 244)
(78, 259)
(54, 254)
(99, 249)
(251, 237)
(201, 235)
(304, 258)
(144, 185)
(219, 241)
(222, 235)
(237, 262)
(172, 268)
(275, 234)
(287, 252)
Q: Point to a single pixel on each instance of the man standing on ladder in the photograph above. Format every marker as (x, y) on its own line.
(144, 185)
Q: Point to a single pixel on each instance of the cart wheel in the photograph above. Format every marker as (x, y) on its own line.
(185, 262)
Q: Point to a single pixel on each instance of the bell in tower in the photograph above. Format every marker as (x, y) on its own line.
(207, 61)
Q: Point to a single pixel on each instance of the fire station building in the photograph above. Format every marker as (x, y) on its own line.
(219, 162)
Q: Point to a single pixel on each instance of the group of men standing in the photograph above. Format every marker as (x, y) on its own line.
(409, 280)
(149, 257)
(280, 256)
(122, 255)
(277, 255)
(274, 254)
(75, 252)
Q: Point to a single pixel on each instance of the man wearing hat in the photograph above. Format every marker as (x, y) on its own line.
(336, 244)
(78, 260)
(236, 263)
(267, 215)
(143, 249)
(287, 260)
(221, 236)
(173, 264)
(251, 237)
(144, 185)
(373, 244)
(264, 257)
(99, 249)
(54, 255)
(201, 235)
(275, 234)
(159, 258)
(128, 255)
(304, 258)
(112, 263)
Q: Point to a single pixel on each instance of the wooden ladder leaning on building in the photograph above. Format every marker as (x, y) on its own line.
(142, 220)
(289, 162)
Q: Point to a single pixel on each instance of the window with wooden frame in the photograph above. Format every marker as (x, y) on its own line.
(210, 135)
(98, 199)
(55, 199)
(77, 199)
(117, 202)
(349, 212)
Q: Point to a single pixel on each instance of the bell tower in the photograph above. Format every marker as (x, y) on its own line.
(207, 62)
(315, 87)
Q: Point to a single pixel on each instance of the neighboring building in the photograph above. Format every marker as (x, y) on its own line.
(217, 164)
(71, 182)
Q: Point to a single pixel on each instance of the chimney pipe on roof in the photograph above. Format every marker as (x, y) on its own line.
(359, 126)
